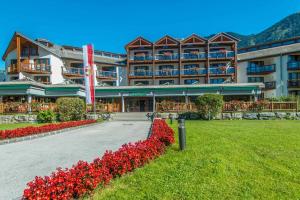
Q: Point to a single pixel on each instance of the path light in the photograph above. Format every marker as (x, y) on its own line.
(181, 134)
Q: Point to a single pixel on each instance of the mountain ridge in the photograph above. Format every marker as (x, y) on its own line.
(288, 27)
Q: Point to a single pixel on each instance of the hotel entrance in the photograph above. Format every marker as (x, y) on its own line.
(141, 104)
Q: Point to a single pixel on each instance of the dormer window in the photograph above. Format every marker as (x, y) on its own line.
(29, 51)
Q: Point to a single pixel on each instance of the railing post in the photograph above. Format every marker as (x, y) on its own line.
(29, 98)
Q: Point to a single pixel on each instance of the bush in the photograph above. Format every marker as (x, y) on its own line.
(70, 109)
(46, 116)
(209, 105)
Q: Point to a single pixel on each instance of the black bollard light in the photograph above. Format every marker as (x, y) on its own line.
(181, 134)
(171, 118)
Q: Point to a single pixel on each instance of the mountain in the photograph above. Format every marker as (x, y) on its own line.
(286, 28)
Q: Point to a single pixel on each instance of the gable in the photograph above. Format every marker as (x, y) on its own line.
(167, 41)
(223, 37)
(139, 42)
(194, 39)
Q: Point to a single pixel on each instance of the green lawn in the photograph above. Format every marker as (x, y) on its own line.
(223, 160)
(20, 125)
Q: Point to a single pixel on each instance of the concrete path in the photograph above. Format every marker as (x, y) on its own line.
(21, 162)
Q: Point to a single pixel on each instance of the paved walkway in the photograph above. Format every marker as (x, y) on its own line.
(21, 162)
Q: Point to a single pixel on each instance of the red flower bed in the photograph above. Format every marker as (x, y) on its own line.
(84, 177)
(31, 130)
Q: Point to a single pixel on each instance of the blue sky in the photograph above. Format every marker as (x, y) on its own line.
(109, 25)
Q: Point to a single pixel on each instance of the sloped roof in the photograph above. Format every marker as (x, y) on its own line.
(70, 52)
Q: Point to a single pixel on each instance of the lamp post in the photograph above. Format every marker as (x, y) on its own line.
(181, 134)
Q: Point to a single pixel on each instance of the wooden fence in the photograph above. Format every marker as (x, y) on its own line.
(233, 106)
(18, 107)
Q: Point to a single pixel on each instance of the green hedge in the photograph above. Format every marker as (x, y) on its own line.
(70, 109)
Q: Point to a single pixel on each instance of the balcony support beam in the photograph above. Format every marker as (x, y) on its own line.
(18, 53)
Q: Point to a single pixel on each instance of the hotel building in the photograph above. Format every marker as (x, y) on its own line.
(276, 64)
(170, 69)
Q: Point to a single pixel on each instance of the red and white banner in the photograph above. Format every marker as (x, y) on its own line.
(89, 73)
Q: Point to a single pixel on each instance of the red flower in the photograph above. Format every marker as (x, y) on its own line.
(84, 177)
(32, 130)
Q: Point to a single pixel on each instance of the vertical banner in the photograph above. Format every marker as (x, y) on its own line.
(89, 73)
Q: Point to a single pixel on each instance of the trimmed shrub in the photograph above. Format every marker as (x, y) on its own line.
(209, 105)
(46, 116)
(70, 109)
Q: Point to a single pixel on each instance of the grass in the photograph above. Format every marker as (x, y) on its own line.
(223, 160)
(19, 125)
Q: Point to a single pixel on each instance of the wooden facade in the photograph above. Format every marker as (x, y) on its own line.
(195, 58)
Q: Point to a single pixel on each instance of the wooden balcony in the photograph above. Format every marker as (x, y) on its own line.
(167, 73)
(194, 72)
(193, 56)
(221, 55)
(111, 75)
(140, 74)
(261, 70)
(73, 72)
(166, 57)
(293, 83)
(147, 58)
(219, 71)
(29, 68)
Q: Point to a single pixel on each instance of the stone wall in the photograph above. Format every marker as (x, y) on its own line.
(261, 116)
(14, 119)
(240, 116)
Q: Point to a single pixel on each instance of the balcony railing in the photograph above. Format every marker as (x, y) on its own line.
(167, 72)
(73, 71)
(218, 71)
(266, 69)
(294, 83)
(270, 85)
(30, 68)
(173, 56)
(293, 65)
(142, 58)
(222, 54)
(141, 73)
(193, 56)
(106, 74)
(194, 71)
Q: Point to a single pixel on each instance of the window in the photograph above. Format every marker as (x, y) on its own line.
(141, 68)
(191, 81)
(294, 75)
(29, 51)
(255, 79)
(77, 65)
(109, 83)
(191, 66)
(141, 82)
(166, 82)
(42, 61)
(217, 81)
(166, 67)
